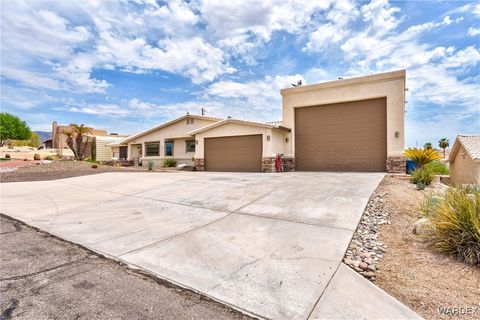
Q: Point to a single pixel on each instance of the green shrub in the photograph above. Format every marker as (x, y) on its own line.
(150, 165)
(36, 156)
(49, 158)
(422, 177)
(169, 163)
(438, 167)
(454, 223)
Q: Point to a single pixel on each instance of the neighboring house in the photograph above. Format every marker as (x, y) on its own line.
(59, 137)
(464, 160)
(59, 141)
(345, 125)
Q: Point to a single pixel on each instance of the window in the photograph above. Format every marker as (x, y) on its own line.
(152, 149)
(190, 120)
(169, 148)
(190, 146)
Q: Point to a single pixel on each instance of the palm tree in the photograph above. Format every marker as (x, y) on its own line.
(428, 145)
(443, 143)
(421, 156)
(76, 140)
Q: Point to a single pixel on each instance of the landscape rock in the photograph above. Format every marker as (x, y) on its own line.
(421, 226)
(365, 251)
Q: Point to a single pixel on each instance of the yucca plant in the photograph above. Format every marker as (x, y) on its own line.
(421, 156)
(422, 177)
(150, 165)
(454, 223)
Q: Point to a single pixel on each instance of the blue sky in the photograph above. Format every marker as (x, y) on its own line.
(128, 65)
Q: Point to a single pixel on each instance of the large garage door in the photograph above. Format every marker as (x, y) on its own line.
(241, 153)
(349, 136)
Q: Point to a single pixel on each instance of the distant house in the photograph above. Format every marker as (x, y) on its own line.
(464, 159)
(102, 138)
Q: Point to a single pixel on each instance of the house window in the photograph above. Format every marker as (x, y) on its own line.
(190, 120)
(169, 148)
(152, 149)
(190, 146)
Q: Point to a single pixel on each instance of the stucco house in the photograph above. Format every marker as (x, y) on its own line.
(464, 159)
(354, 124)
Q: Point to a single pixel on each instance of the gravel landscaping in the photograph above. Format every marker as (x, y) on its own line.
(386, 251)
(17, 171)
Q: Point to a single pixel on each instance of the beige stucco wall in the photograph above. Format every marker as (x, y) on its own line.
(178, 132)
(463, 170)
(390, 85)
(270, 148)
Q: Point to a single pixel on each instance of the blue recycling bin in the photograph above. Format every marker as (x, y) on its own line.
(411, 166)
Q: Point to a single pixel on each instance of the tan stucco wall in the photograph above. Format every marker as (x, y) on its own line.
(270, 148)
(178, 132)
(463, 170)
(390, 85)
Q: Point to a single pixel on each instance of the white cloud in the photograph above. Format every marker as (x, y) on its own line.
(107, 110)
(472, 31)
(31, 79)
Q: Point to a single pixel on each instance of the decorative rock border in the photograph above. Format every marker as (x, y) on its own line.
(365, 251)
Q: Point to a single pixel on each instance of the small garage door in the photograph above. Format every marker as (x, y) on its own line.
(236, 154)
(349, 136)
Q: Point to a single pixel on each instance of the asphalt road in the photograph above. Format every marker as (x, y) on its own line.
(43, 277)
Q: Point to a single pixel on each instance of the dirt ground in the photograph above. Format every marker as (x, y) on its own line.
(43, 277)
(410, 271)
(36, 171)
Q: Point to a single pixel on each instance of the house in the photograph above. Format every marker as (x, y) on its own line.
(170, 140)
(354, 124)
(464, 159)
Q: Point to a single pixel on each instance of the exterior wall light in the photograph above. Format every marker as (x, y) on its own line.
(268, 138)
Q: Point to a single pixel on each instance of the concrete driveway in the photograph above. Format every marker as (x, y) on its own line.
(266, 244)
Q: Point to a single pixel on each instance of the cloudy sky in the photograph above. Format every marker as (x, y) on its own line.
(129, 65)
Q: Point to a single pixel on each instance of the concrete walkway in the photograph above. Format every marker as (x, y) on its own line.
(270, 245)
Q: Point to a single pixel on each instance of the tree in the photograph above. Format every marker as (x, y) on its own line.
(12, 128)
(34, 141)
(428, 145)
(443, 143)
(77, 140)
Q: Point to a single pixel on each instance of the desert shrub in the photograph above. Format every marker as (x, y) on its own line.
(94, 166)
(454, 223)
(36, 156)
(169, 163)
(422, 156)
(150, 165)
(49, 158)
(7, 156)
(422, 177)
(438, 167)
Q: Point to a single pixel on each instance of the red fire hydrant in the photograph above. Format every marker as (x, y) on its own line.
(278, 163)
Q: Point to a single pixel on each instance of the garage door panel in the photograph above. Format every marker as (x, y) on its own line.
(347, 136)
(235, 154)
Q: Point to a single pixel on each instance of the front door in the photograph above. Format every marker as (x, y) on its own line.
(123, 153)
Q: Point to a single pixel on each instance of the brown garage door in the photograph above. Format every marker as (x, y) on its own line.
(349, 136)
(237, 154)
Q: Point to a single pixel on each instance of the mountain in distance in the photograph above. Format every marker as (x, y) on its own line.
(44, 135)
